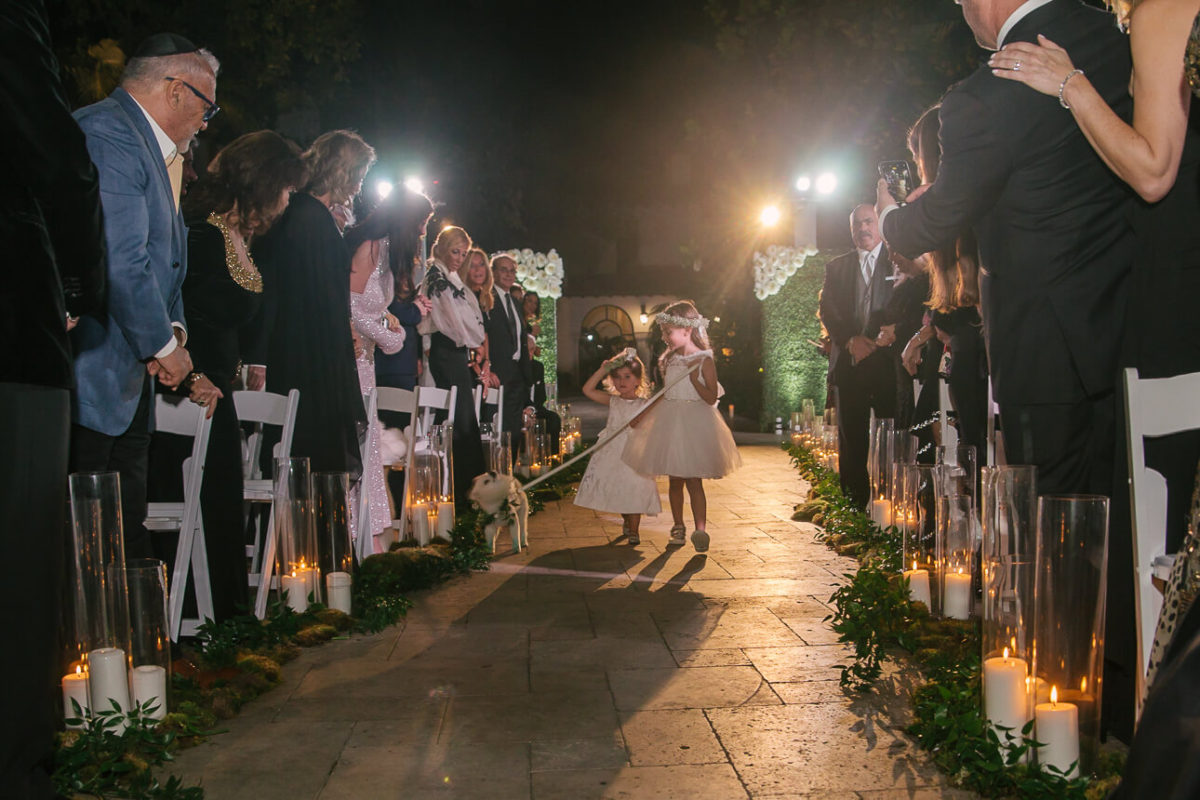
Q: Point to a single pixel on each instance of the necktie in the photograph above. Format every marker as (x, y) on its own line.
(511, 312)
(867, 296)
(175, 173)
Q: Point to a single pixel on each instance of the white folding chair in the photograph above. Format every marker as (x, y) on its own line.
(403, 401)
(431, 400)
(185, 418)
(1153, 407)
(495, 397)
(264, 408)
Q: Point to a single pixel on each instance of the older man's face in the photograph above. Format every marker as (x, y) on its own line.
(864, 227)
(505, 273)
(187, 117)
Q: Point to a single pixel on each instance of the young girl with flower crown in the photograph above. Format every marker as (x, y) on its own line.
(610, 485)
(684, 437)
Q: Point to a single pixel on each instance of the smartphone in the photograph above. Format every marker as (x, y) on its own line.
(899, 177)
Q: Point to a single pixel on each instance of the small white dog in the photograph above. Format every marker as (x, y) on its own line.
(501, 496)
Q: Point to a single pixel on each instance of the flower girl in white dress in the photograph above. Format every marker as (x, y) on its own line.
(610, 485)
(683, 436)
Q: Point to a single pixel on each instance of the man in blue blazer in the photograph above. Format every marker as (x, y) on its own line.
(167, 94)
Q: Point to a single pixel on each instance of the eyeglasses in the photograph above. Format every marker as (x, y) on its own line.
(212, 109)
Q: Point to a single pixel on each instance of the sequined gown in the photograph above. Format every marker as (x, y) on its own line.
(366, 314)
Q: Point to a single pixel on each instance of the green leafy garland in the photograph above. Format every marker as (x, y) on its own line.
(872, 613)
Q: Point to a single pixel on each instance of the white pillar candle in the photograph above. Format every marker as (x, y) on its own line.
(918, 586)
(1005, 694)
(881, 512)
(150, 683)
(445, 519)
(337, 586)
(108, 679)
(1057, 727)
(956, 599)
(75, 687)
(420, 524)
(535, 469)
(297, 586)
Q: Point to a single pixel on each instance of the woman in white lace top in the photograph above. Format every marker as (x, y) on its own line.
(455, 325)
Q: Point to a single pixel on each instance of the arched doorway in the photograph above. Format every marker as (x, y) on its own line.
(606, 330)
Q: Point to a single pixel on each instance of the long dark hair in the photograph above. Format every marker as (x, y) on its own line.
(251, 172)
(399, 219)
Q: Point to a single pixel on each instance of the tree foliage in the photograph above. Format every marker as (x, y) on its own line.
(277, 56)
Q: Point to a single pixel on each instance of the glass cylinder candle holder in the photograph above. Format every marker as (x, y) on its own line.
(298, 571)
(882, 458)
(540, 456)
(501, 453)
(904, 448)
(101, 609)
(956, 554)
(920, 535)
(331, 519)
(1068, 652)
(423, 500)
(150, 678)
(1009, 525)
(960, 473)
(444, 443)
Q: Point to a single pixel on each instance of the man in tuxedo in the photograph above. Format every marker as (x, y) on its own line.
(52, 235)
(1054, 244)
(135, 136)
(855, 293)
(507, 348)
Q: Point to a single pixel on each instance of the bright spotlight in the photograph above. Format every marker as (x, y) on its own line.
(383, 189)
(803, 183)
(826, 183)
(770, 216)
(413, 184)
(643, 318)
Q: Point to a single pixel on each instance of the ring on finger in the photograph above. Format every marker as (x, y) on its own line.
(1017, 65)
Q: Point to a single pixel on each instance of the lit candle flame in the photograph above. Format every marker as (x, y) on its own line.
(1013, 641)
(1083, 684)
(78, 669)
(914, 565)
(1053, 695)
(1006, 654)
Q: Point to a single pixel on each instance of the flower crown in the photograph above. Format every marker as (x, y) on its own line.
(626, 357)
(680, 322)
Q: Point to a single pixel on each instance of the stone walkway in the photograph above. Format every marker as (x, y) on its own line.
(587, 668)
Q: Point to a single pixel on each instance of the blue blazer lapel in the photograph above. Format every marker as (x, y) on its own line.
(142, 126)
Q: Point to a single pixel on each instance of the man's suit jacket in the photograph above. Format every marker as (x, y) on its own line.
(1051, 219)
(839, 306)
(50, 220)
(147, 251)
(502, 343)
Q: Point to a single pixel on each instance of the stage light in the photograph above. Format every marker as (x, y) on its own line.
(413, 184)
(826, 183)
(803, 183)
(383, 189)
(770, 216)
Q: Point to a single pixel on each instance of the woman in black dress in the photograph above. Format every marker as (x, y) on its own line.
(302, 337)
(244, 191)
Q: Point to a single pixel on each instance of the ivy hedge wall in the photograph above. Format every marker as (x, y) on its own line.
(548, 338)
(793, 369)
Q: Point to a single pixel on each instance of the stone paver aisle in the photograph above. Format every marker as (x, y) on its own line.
(587, 668)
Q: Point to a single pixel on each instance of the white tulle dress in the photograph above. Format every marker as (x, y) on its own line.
(609, 484)
(683, 436)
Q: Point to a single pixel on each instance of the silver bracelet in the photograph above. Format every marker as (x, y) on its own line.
(1062, 87)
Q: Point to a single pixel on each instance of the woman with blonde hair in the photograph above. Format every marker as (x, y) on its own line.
(477, 276)
(302, 337)
(455, 328)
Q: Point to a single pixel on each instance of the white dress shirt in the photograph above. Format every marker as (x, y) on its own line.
(170, 151)
(1023, 10)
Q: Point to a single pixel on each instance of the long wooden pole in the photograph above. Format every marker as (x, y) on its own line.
(607, 439)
